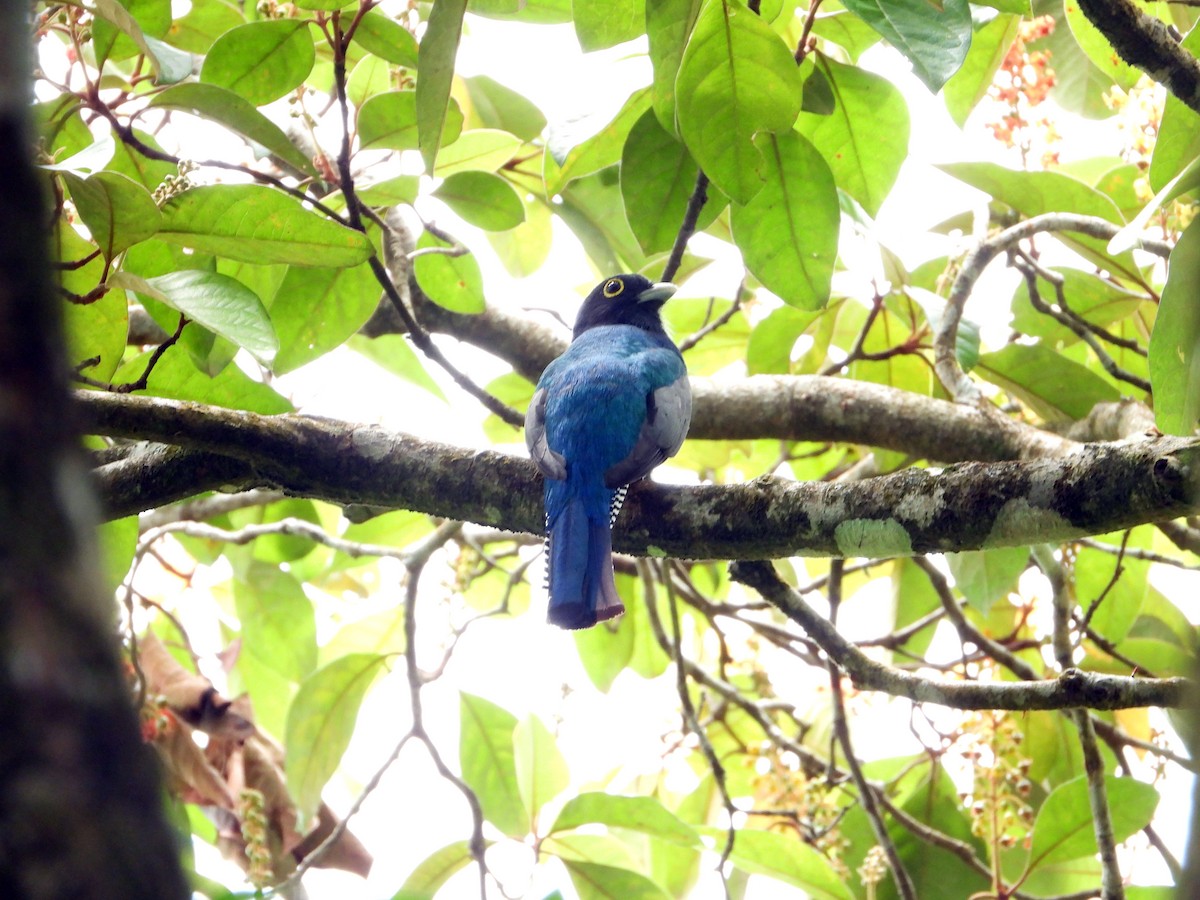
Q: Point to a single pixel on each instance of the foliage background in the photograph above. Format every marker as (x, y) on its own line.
(234, 188)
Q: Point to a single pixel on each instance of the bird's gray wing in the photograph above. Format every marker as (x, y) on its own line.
(551, 464)
(668, 414)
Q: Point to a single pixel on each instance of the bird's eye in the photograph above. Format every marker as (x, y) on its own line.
(613, 287)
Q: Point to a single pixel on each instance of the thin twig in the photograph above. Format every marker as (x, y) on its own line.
(690, 217)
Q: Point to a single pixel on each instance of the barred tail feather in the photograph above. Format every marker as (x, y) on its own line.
(579, 565)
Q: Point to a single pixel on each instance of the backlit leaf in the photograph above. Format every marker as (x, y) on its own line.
(261, 61)
(1175, 341)
(258, 224)
(320, 723)
(435, 72)
(488, 763)
(934, 37)
(1064, 827)
(118, 211)
(737, 79)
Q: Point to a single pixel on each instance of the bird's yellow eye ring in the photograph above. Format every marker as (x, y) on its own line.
(613, 287)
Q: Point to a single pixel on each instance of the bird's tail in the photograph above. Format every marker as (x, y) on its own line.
(580, 569)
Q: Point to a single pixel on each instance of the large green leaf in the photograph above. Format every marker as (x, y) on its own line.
(393, 353)
(606, 650)
(596, 881)
(118, 211)
(1097, 300)
(221, 304)
(788, 232)
(1064, 828)
(435, 870)
(643, 814)
(197, 31)
(1178, 142)
(934, 37)
(321, 722)
(315, 310)
(488, 763)
(435, 72)
(769, 350)
(495, 106)
(485, 200)
(1058, 389)
(388, 121)
(985, 576)
(604, 23)
(1175, 341)
(657, 180)
(176, 377)
(258, 224)
(970, 84)
(1034, 193)
(866, 106)
(541, 769)
(602, 149)
(737, 79)
(481, 150)
(453, 282)
(221, 105)
(668, 24)
(261, 61)
(386, 38)
(785, 858)
(95, 330)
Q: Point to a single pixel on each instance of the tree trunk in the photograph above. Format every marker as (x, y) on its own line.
(81, 813)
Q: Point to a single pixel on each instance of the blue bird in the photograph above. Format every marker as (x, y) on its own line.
(606, 412)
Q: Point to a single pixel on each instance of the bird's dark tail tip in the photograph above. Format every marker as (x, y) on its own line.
(582, 590)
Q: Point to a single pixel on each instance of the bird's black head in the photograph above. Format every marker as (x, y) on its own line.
(624, 300)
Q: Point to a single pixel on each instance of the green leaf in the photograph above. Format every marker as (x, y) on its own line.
(866, 106)
(848, 31)
(668, 24)
(391, 191)
(785, 858)
(606, 650)
(217, 104)
(176, 377)
(594, 881)
(328, 5)
(118, 211)
(221, 304)
(435, 870)
(261, 61)
(147, 172)
(393, 353)
(452, 282)
(492, 105)
(1131, 235)
(321, 722)
(435, 72)
(970, 84)
(788, 232)
(371, 76)
(769, 350)
(1123, 592)
(737, 79)
(117, 539)
(485, 200)
(1034, 193)
(482, 150)
(541, 770)
(1175, 341)
(602, 149)
(1056, 388)
(1178, 142)
(523, 249)
(97, 329)
(488, 764)
(204, 23)
(388, 121)
(539, 12)
(386, 38)
(605, 23)
(642, 814)
(315, 310)
(657, 180)
(1064, 826)
(278, 645)
(258, 224)
(934, 38)
(1098, 49)
(985, 576)
(118, 31)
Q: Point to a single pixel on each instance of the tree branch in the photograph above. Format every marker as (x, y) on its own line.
(1073, 688)
(1144, 42)
(1103, 488)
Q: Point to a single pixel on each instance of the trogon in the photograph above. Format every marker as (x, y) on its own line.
(606, 412)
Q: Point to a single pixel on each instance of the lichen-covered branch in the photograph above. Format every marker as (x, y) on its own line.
(1102, 488)
(1144, 42)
